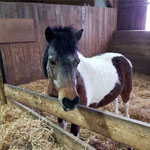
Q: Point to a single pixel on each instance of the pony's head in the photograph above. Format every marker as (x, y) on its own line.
(60, 63)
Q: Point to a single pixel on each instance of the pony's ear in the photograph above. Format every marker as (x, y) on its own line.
(78, 34)
(49, 35)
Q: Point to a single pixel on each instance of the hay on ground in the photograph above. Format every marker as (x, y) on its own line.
(139, 109)
(18, 131)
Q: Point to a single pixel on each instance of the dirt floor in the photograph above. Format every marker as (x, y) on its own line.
(19, 132)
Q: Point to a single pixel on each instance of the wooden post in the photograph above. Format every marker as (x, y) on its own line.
(128, 131)
(2, 93)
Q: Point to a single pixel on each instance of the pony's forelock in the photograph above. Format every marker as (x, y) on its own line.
(65, 41)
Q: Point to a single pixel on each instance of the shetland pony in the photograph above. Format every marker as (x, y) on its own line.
(75, 79)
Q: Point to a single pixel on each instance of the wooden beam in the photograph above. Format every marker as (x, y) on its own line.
(132, 4)
(131, 36)
(135, 45)
(67, 140)
(16, 30)
(128, 131)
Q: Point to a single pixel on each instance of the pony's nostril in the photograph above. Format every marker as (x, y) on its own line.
(65, 102)
(76, 100)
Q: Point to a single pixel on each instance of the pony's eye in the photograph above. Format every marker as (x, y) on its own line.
(53, 63)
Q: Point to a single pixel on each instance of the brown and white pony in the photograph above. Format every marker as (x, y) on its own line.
(73, 78)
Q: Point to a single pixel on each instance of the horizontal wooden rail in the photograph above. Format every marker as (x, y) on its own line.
(66, 139)
(121, 129)
(19, 30)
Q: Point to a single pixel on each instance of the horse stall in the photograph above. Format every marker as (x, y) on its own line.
(28, 121)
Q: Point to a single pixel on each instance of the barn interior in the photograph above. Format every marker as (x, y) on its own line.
(120, 26)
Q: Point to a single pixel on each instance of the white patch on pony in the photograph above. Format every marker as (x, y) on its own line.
(99, 75)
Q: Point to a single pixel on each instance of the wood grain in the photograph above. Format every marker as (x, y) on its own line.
(132, 14)
(16, 30)
(128, 131)
(29, 54)
(135, 45)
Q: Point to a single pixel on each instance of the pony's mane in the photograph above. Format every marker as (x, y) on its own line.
(64, 42)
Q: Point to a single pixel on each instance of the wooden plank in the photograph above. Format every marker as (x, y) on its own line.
(9, 63)
(140, 63)
(132, 15)
(1, 10)
(140, 70)
(67, 140)
(131, 36)
(100, 39)
(103, 31)
(18, 68)
(13, 10)
(41, 38)
(83, 26)
(98, 31)
(131, 48)
(7, 10)
(90, 21)
(128, 131)
(135, 4)
(44, 15)
(34, 52)
(19, 30)
(135, 45)
(24, 11)
(93, 49)
(7, 48)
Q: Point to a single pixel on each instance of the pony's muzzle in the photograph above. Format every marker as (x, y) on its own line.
(70, 104)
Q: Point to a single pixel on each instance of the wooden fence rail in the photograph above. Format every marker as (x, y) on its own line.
(121, 129)
(66, 139)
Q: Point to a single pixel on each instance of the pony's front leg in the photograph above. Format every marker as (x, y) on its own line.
(116, 106)
(74, 129)
(62, 123)
(126, 107)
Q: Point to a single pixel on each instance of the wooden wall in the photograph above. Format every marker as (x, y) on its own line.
(135, 45)
(132, 14)
(23, 61)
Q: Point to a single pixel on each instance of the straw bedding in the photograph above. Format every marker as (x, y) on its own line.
(19, 131)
